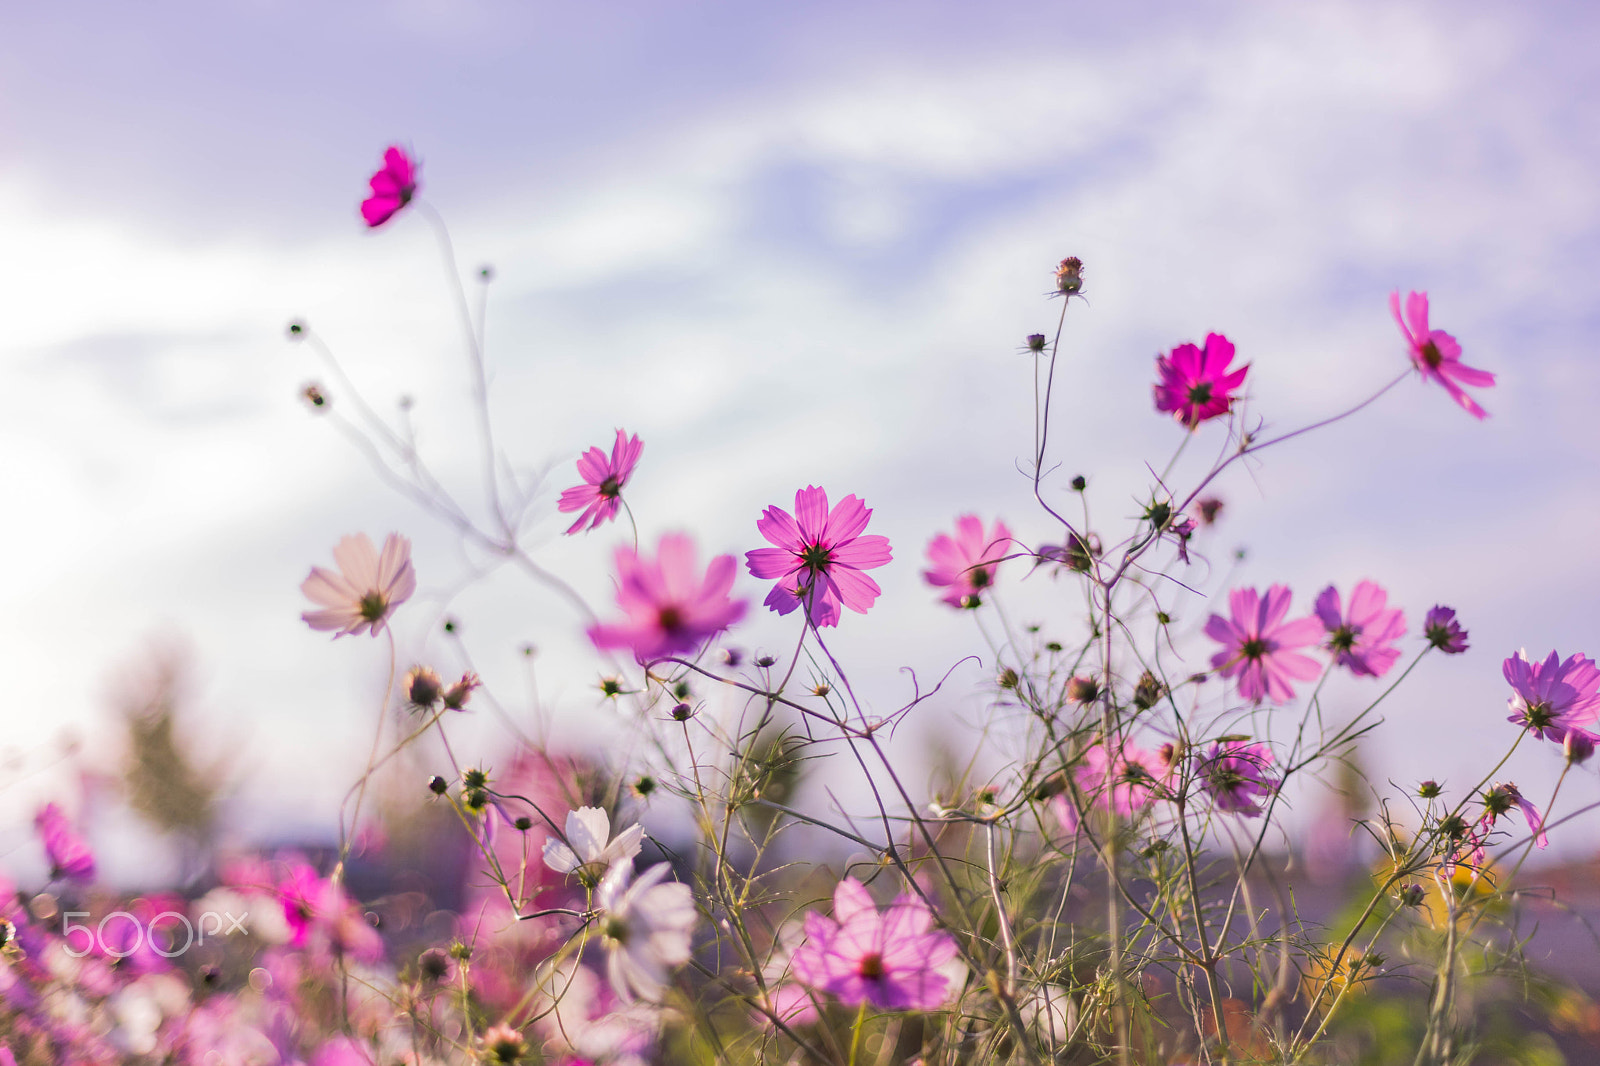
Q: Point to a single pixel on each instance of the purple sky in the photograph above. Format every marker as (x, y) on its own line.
(785, 246)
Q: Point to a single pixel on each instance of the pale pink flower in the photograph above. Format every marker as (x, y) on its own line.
(645, 928)
(1362, 638)
(1258, 644)
(393, 186)
(819, 557)
(1238, 775)
(1436, 354)
(966, 563)
(672, 606)
(890, 960)
(367, 588)
(589, 849)
(1552, 697)
(67, 852)
(1197, 384)
(600, 495)
(1125, 784)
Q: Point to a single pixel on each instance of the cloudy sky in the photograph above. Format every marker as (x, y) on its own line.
(786, 245)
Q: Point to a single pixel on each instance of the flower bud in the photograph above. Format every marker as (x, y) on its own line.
(1008, 678)
(524, 823)
(1578, 745)
(1429, 789)
(455, 697)
(1069, 276)
(313, 396)
(1083, 690)
(765, 661)
(423, 687)
(610, 687)
(1411, 895)
(1148, 692)
(1079, 483)
(438, 785)
(1036, 342)
(474, 779)
(297, 330)
(681, 712)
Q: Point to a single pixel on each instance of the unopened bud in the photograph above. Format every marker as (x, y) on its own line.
(313, 396)
(456, 696)
(1429, 789)
(1148, 692)
(1069, 276)
(821, 689)
(610, 687)
(524, 823)
(1036, 342)
(765, 661)
(422, 687)
(682, 712)
(297, 330)
(1411, 895)
(1008, 678)
(437, 785)
(1080, 483)
(1578, 745)
(1083, 690)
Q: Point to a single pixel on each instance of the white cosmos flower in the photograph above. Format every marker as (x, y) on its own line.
(645, 927)
(589, 848)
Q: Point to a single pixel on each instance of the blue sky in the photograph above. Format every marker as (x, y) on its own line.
(785, 246)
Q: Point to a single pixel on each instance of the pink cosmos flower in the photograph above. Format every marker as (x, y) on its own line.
(1444, 632)
(367, 588)
(600, 495)
(966, 563)
(393, 186)
(1196, 385)
(1362, 638)
(69, 855)
(819, 557)
(1124, 785)
(672, 607)
(1436, 354)
(1552, 697)
(1237, 774)
(890, 960)
(1500, 799)
(1257, 644)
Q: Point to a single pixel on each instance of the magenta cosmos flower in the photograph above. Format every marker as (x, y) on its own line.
(819, 556)
(1238, 775)
(1436, 354)
(1362, 638)
(367, 588)
(966, 563)
(1444, 632)
(601, 492)
(1552, 697)
(67, 852)
(890, 960)
(671, 604)
(1196, 384)
(393, 186)
(1257, 644)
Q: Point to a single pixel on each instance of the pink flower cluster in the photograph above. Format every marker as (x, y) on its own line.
(1259, 644)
